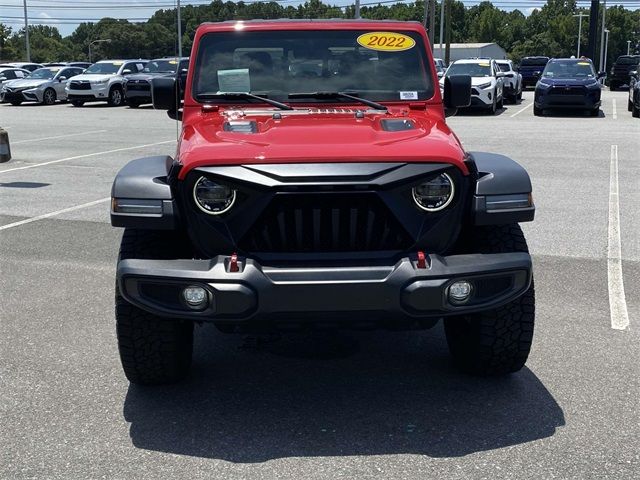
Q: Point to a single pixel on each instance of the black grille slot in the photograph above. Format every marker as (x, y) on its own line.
(570, 90)
(139, 86)
(331, 222)
(78, 85)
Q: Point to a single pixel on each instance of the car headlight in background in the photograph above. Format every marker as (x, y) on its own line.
(99, 82)
(435, 194)
(484, 85)
(212, 197)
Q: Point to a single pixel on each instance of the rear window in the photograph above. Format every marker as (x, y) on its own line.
(628, 60)
(375, 65)
(534, 62)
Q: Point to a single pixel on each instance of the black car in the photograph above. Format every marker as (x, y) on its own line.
(634, 92)
(621, 70)
(138, 87)
(530, 69)
(568, 83)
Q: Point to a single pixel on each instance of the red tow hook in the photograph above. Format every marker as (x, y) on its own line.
(422, 260)
(233, 263)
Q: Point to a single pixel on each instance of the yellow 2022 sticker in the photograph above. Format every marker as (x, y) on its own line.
(386, 41)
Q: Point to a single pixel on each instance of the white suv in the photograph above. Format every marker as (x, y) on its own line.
(102, 81)
(487, 82)
(512, 81)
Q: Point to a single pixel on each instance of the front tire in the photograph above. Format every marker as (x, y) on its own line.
(595, 112)
(153, 350)
(629, 106)
(116, 97)
(495, 342)
(15, 103)
(635, 112)
(133, 103)
(77, 103)
(537, 111)
(49, 97)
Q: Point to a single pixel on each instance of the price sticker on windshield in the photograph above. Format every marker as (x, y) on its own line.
(386, 41)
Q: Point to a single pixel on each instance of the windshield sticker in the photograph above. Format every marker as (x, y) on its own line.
(118, 63)
(584, 63)
(485, 64)
(173, 62)
(234, 81)
(386, 41)
(408, 95)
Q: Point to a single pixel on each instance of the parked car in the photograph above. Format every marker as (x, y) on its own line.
(531, 68)
(45, 85)
(80, 64)
(487, 82)
(620, 71)
(103, 81)
(9, 74)
(568, 83)
(312, 206)
(512, 81)
(55, 64)
(23, 65)
(634, 93)
(138, 86)
(441, 67)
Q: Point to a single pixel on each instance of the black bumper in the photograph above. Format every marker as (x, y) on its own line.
(549, 102)
(85, 98)
(345, 294)
(12, 96)
(142, 96)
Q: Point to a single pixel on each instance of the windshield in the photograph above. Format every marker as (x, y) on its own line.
(628, 60)
(504, 67)
(161, 66)
(568, 69)
(106, 68)
(375, 65)
(473, 69)
(44, 73)
(534, 62)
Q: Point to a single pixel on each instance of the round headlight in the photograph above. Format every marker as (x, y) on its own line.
(212, 197)
(435, 194)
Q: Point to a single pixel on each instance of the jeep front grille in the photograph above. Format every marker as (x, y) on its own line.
(326, 222)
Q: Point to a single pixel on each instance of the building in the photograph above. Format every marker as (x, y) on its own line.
(470, 50)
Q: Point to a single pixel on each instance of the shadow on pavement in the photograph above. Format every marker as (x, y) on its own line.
(356, 394)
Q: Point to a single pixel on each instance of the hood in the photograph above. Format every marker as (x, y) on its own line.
(25, 83)
(316, 136)
(475, 81)
(94, 78)
(567, 82)
(148, 76)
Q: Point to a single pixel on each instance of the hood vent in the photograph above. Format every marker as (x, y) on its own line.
(397, 125)
(241, 126)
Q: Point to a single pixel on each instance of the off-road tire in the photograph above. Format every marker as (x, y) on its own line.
(153, 350)
(15, 103)
(49, 97)
(500, 104)
(613, 86)
(495, 342)
(493, 108)
(133, 103)
(635, 112)
(537, 111)
(595, 112)
(77, 103)
(519, 95)
(116, 97)
(629, 106)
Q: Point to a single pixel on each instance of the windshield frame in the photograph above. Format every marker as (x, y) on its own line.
(476, 64)
(168, 61)
(573, 62)
(116, 63)
(48, 69)
(426, 74)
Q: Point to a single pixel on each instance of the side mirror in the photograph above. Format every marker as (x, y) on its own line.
(184, 71)
(633, 73)
(510, 75)
(2, 79)
(500, 75)
(62, 78)
(440, 74)
(537, 73)
(602, 74)
(126, 71)
(165, 95)
(457, 93)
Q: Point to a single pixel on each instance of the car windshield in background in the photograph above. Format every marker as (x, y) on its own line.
(628, 60)
(534, 62)
(107, 68)
(161, 66)
(504, 67)
(473, 69)
(44, 73)
(374, 65)
(568, 69)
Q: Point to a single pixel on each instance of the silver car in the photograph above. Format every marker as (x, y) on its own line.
(45, 85)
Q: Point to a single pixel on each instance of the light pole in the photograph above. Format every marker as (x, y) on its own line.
(580, 15)
(441, 26)
(26, 31)
(628, 47)
(107, 40)
(604, 16)
(357, 10)
(606, 47)
(179, 20)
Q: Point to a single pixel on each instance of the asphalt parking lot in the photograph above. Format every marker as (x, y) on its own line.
(365, 405)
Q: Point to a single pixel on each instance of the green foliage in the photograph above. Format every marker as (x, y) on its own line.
(551, 30)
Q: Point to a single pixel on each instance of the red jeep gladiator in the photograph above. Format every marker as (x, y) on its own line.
(316, 185)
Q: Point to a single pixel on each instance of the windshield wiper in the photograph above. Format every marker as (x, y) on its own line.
(350, 96)
(230, 95)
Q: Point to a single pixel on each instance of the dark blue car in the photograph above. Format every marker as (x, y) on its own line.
(530, 69)
(568, 83)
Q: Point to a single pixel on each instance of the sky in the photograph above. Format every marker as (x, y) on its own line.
(67, 14)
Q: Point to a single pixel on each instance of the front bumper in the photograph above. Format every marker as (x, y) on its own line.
(334, 294)
(34, 95)
(96, 92)
(550, 101)
(11, 96)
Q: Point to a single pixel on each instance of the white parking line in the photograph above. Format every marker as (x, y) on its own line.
(53, 214)
(617, 300)
(77, 157)
(521, 110)
(58, 136)
(615, 110)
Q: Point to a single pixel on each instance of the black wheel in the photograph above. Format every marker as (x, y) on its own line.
(519, 96)
(613, 86)
(500, 104)
(153, 350)
(493, 107)
(537, 111)
(133, 103)
(496, 342)
(635, 112)
(629, 106)
(77, 103)
(116, 98)
(15, 103)
(49, 96)
(595, 112)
